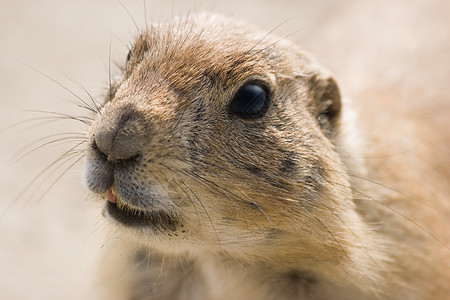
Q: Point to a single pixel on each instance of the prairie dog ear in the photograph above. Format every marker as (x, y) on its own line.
(326, 100)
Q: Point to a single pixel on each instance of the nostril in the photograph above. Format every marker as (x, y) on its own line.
(99, 171)
(94, 146)
(96, 149)
(116, 146)
(121, 135)
(105, 158)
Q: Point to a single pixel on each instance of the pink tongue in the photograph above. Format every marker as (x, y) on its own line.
(111, 197)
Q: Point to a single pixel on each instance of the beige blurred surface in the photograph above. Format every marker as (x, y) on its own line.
(50, 242)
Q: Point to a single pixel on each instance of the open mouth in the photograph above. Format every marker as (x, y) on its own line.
(136, 218)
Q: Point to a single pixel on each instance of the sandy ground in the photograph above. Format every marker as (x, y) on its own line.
(51, 241)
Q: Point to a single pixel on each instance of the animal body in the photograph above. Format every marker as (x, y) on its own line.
(233, 168)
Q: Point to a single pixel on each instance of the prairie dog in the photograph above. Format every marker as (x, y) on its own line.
(230, 162)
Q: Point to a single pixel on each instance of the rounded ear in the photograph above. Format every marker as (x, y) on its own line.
(326, 100)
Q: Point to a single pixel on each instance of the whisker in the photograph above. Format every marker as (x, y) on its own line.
(145, 14)
(281, 39)
(56, 161)
(331, 234)
(186, 271)
(294, 225)
(60, 176)
(129, 14)
(41, 139)
(95, 102)
(161, 270)
(212, 187)
(388, 188)
(207, 214)
(44, 121)
(120, 40)
(361, 242)
(184, 191)
(52, 80)
(395, 211)
(57, 115)
(60, 141)
(30, 120)
(109, 69)
(61, 160)
(264, 37)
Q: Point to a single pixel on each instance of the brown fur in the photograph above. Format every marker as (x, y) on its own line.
(281, 207)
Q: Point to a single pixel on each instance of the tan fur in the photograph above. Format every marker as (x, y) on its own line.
(294, 205)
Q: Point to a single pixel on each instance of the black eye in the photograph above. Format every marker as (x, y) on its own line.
(251, 101)
(129, 55)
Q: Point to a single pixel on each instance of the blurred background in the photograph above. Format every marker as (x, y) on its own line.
(51, 235)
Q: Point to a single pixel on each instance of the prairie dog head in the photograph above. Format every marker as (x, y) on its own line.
(220, 138)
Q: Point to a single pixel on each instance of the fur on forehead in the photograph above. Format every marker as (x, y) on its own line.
(208, 49)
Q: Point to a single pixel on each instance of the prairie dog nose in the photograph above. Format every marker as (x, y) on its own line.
(122, 136)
